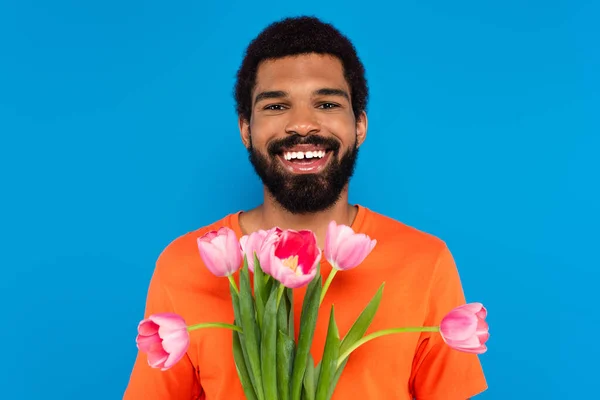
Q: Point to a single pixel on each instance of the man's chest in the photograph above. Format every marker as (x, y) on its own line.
(379, 369)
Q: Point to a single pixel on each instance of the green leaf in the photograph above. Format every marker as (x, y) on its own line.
(240, 366)
(330, 357)
(308, 321)
(355, 333)
(268, 348)
(268, 283)
(236, 310)
(259, 284)
(309, 380)
(285, 363)
(336, 378)
(250, 328)
(282, 316)
(362, 323)
(290, 298)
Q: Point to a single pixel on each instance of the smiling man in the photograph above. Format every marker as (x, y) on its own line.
(301, 98)
(303, 132)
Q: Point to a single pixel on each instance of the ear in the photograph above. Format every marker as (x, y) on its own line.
(244, 126)
(361, 128)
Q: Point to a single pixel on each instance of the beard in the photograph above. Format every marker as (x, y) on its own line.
(304, 193)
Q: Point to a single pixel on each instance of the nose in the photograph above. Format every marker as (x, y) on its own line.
(302, 122)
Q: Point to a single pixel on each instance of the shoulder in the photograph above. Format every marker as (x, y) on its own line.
(402, 240)
(180, 260)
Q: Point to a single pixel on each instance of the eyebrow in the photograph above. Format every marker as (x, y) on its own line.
(278, 94)
(273, 94)
(332, 92)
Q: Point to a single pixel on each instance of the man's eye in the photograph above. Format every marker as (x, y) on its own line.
(274, 107)
(328, 105)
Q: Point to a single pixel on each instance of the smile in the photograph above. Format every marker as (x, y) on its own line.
(305, 159)
(300, 155)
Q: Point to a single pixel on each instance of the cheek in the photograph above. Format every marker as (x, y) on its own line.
(343, 129)
(265, 129)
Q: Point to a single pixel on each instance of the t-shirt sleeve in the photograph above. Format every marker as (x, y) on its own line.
(440, 372)
(180, 382)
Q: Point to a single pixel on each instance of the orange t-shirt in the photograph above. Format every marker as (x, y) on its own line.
(422, 285)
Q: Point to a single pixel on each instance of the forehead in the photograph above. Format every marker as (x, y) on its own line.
(304, 72)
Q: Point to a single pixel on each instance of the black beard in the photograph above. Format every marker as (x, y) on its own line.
(304, 193)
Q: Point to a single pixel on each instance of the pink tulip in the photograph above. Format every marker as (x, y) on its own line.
(164, 337)
(272, 237)
(345, 249)
(251, 244)
(465, 329)
(290, 256)
(221, 252)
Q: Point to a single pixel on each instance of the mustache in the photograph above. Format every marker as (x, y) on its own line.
(277, 147)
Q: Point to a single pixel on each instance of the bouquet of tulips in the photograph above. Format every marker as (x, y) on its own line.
(270, 363)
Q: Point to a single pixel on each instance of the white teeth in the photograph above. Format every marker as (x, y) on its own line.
(289, 155)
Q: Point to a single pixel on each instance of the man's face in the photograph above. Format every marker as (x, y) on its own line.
(302, 137)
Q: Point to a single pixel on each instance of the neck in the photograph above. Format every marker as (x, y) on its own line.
(271, 214)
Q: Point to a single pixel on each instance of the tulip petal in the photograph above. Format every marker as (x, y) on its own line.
(289, 278)
(344, 232)
(330, 237)
(176, 344)
(168, 335)
(309, 253)
(233, 251)
(289, 244)
(220, 243)
(458, 325)
(482, 313)
(483, 337)
(476, 350)
(213, 258)
(170, 321)
(472, 308)
(172, 360)
(209, 236)
(267, 249)
(346, 249)
(334, 237)
(482, 327)
(157, 360)
(277, 268)
(471, 345)
(293, 281)
(338, 233)
(247, 251)
(471, 342)
(145, 343)
(157, 356)
(244, 241)
(251, 245)
(353, 251)
(147, 327)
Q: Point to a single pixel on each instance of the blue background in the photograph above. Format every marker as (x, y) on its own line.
(118, 134)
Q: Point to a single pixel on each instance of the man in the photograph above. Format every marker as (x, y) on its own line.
(301, 98)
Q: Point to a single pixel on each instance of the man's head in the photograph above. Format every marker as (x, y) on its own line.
(301, 97)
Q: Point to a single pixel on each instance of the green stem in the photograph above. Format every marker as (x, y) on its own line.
(327, 283)
(232, 281)
(383, 333)
(280, 290)
(214, 325)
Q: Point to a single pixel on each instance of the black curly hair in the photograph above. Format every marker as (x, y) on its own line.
(300, 35)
